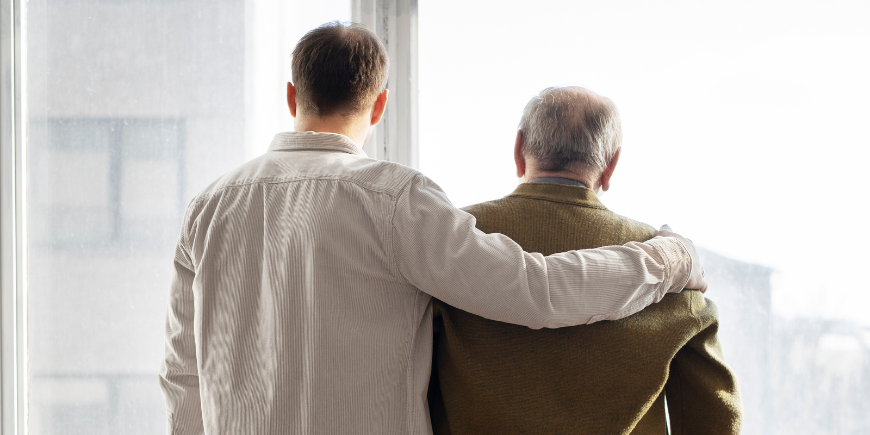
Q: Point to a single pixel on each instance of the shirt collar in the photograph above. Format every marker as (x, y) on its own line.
(311, 141)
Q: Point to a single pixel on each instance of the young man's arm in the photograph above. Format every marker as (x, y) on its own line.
(179, 377)
(702, 391)
(437, 248)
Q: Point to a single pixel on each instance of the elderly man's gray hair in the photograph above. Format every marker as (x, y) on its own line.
(567, 127)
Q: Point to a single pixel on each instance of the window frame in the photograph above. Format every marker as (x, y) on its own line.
(396, 137)
(13, 295)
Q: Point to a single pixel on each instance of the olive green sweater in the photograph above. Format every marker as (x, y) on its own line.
(605, 378)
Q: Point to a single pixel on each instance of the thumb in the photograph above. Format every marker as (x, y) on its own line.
(667, 228)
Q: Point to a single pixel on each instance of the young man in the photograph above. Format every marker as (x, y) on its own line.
(301, 301)
(605, 378)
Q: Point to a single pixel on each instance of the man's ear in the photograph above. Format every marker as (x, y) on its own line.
(519, 158)
(608, 171)
(379, 107)
(291, 99)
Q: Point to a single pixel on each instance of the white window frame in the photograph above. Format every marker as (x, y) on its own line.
(395, 21)
(13, 303)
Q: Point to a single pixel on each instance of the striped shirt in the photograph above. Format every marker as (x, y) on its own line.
(301, 295)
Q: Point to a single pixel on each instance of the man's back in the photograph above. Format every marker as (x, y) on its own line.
(604, 378)
(300, 301)
(286, 296)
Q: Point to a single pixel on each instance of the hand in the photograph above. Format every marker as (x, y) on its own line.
(696, 280)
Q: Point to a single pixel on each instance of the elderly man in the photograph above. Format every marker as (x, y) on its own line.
(606, 378)
(301, 297)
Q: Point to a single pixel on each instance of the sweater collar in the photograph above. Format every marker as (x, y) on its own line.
(558, 180)
(564, 193)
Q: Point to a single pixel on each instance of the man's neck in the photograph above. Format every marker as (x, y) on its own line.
(356, 128)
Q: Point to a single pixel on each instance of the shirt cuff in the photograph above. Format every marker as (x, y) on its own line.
(678, 263)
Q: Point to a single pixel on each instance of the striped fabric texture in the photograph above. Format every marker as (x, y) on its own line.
(301, 295)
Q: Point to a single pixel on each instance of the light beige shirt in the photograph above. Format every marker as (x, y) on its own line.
(301, 299)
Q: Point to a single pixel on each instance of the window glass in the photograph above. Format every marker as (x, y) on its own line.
(133, 107)
(744, 129)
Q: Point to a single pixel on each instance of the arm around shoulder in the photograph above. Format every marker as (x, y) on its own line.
(437, 248)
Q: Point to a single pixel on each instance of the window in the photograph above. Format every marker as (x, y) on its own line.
(105, 182)
(106, 195)
(133, 107)
(743, 128)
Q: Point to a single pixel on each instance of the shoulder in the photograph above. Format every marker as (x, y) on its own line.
(685, 313)
(611, 228)
(690, 305)
(702, 307)
(363, 175)
(484, 208)
(278, 168)
(504, 215)
(634, 230)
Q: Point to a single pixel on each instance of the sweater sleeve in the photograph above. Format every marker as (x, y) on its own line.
(701, 391)
(437, 248)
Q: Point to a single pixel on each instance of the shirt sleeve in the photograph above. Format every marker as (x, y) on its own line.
(437, 249)
(701, 390)
(179, 378)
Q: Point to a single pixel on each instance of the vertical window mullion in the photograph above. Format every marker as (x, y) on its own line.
(395, 21)
(13, 322)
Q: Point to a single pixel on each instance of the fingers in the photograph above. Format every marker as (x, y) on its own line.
(697, 282)
(701, 286)
(666, 231)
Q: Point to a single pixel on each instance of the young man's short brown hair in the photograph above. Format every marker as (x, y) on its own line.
(339, 68)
